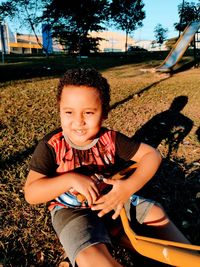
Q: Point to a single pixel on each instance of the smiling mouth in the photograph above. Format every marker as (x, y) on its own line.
(79, 132)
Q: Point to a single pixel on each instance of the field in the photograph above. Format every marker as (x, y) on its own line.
(140, 105)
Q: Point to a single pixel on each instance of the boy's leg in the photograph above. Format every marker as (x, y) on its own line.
(84, 237)
(96, 255)
(162, 226)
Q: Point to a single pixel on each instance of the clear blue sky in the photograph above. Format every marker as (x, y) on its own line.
(164, 12)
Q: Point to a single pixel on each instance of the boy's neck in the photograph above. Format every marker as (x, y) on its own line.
(85, 147)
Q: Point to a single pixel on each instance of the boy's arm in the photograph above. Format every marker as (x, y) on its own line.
(41, 189)
(148, 161)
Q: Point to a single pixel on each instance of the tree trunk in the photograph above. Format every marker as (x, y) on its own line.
(126, 42)
(34, 31)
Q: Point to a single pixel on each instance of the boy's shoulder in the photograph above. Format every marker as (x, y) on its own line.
(110, 132)
(53, 135)
(106, 132)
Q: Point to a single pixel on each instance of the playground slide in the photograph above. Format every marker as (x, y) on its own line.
(180, 47)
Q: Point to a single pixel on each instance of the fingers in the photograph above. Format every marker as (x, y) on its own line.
(108, 209)
(109, 181)
(102, 207)
(117, 211)
(103, 212)
(92, 195)
(113, 200)
(105, 206)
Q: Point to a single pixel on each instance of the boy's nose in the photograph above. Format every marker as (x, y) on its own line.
(79, 119)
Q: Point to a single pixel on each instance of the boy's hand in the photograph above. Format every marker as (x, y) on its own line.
(114, 200)
(86, 186)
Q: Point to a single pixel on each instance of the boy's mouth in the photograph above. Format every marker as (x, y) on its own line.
(79, 131)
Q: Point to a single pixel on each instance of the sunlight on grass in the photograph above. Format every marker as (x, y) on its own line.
(29, 111)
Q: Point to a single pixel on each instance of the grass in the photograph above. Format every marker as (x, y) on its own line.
(28, 111)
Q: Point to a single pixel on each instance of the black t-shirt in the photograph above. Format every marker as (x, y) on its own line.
(55, 153)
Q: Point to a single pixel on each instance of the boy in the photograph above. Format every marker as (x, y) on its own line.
(72, 159)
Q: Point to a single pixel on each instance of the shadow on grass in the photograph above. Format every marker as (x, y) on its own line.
(20, 67)
(54, 66)
(170, 126)
(141, 91)
(170, 186)
(176, 187)
(198, 133)
(16, 158)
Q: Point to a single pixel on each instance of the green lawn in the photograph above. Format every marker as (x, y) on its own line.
(28, 111)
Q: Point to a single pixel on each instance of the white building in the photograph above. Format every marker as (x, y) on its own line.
(112, 41)
(151, 45)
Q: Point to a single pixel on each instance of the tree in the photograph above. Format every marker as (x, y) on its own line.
(72, 21)
(127, 15)
(25, 12)
(160, 34)
(188, 12)
(171, 42)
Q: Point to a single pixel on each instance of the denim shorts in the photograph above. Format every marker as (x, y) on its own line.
(80, 228)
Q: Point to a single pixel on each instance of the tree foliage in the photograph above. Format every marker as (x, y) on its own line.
(187, 13)
(127, 15)
(73, 20)
(7, 9)
(24, 12)
(160, 34)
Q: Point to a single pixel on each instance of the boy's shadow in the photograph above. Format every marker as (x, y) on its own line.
(170, 126)
(198, 133)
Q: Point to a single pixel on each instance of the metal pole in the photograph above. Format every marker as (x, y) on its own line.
(2, 41)
(181, 18)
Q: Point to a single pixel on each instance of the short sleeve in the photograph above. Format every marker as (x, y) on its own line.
(126, 147)
(43, 159)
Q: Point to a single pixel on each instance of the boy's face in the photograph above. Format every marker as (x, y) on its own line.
(80, 113)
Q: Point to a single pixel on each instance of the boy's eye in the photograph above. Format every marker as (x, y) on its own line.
(87, 113)
(68, 112)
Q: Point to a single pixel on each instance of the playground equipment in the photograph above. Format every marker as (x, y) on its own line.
(179, 48)
(168, 252)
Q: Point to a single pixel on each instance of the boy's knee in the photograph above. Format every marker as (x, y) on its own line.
(96, 255)
(156, 216)
(88, 256)
(83, 256)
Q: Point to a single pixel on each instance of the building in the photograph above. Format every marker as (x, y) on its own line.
(19, 43)
(151, 45)
(112, 41)
(25, 44)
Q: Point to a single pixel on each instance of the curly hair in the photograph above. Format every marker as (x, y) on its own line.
(88, 77)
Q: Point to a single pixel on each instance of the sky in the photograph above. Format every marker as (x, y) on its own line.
(164, 12)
